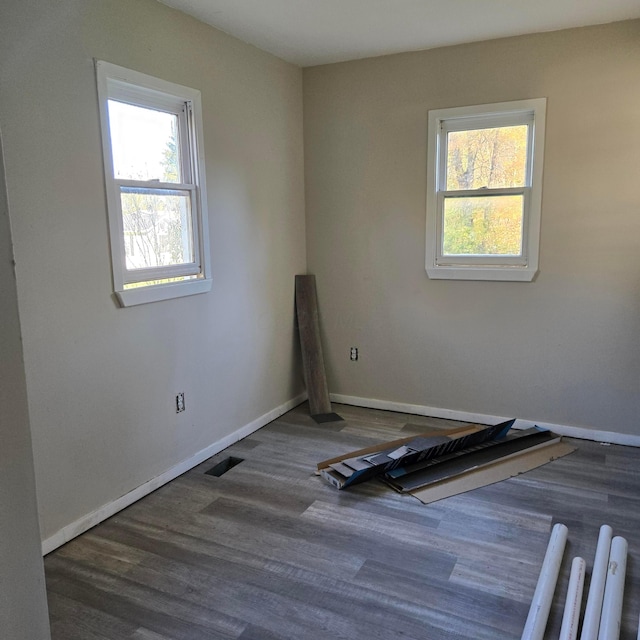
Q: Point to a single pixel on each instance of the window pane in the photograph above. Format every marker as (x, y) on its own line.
(144, 143)
(157, 227)
(492, 158)
(490, 225)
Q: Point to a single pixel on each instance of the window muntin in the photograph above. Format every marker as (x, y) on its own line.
(152, 140)
(484, 191)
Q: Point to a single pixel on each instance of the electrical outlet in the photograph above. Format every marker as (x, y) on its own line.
(180, 406)
(353, 354)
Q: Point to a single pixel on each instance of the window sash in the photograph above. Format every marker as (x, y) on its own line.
(520, 259)
(481, 122)
(186, 140)
(147, 274)
(130, 276)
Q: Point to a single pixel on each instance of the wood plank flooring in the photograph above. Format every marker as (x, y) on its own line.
(268, 551)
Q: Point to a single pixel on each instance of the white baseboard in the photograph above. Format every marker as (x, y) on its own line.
(434, 412)
(106, 511)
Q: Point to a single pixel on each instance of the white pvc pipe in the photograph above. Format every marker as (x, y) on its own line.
(593, 610)
(541, 603)
(639, 629)
(573, 603)
(611, 617)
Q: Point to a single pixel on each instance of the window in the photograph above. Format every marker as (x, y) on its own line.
(156, 196)
(484, 191)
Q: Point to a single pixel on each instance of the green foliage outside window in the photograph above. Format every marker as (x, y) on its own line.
(492, 158)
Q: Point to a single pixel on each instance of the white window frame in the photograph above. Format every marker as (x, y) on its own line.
(132, 87)
(523, 267)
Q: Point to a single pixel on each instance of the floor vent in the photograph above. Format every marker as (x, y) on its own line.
(224, 466)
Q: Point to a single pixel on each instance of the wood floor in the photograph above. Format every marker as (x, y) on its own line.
(270, 552)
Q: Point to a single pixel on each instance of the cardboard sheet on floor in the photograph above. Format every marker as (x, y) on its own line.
(495, 472)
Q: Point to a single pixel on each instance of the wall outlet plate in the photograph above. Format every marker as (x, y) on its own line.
(180, 406)
(353, 353)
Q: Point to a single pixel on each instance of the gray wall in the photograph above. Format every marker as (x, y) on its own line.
(23, 604)
(102, 380)
(564, 349)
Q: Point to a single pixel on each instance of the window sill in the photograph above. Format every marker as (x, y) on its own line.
(144, 295)
(498, 274)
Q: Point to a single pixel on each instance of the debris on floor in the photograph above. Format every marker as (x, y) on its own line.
(441, 463)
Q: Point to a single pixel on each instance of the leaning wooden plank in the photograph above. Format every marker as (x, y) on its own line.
(525, 461)
(311, 347)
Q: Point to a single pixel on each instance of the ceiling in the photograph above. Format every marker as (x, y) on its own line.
(312, 32)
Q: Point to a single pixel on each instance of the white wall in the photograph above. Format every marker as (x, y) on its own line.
(102, 380)
(564, 349)
(23, 603)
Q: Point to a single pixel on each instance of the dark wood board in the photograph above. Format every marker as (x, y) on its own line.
(311, 346)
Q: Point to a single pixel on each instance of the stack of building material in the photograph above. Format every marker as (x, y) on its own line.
(366, 464)
(440, 463)
(469, 459)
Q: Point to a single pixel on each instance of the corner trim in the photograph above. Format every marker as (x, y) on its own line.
(106, 511)
(584, 433)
